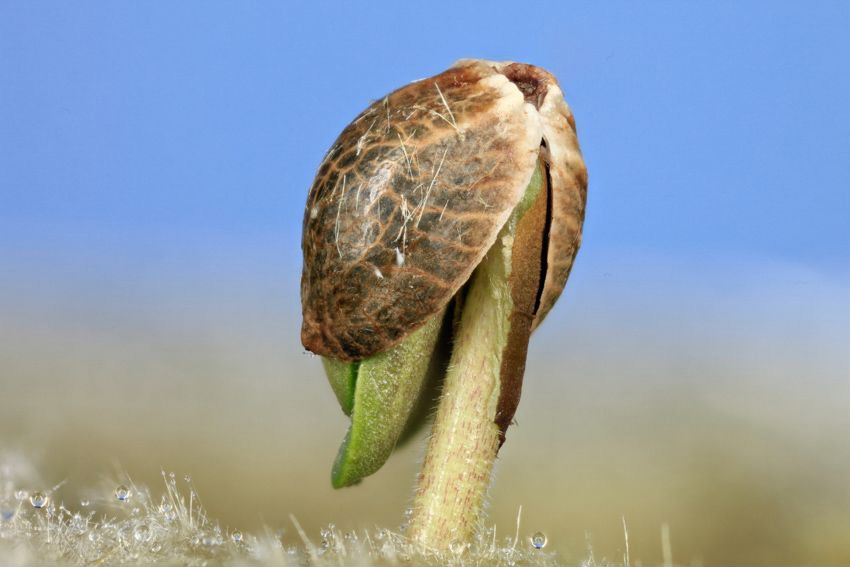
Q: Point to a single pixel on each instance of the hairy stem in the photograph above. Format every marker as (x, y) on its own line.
(465, 437)
(487, 363)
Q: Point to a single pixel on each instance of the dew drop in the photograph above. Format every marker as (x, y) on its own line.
(327, 538)
(85, 503)
(142, 533)
(167, 511)
(538, 540)
(20, 494)
(236, 536)
(122, 493)
(38, 499)
(7, 515)
(187, 478)
(405, 521)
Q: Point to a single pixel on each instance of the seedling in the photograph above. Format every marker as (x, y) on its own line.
(443, 221)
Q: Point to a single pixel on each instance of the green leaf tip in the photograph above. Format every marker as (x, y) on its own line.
(386, 387)
(343, 379)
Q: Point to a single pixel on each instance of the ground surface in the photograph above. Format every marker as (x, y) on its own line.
(129, 524)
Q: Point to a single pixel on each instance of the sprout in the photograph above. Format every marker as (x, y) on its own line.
(443, 222)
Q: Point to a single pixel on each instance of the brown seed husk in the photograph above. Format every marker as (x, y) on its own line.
(413, 193)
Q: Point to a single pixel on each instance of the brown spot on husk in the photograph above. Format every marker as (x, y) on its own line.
(531, 80)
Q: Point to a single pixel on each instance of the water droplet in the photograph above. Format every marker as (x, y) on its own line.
(20, 494)
(236, 536)
(85, 503)
(405, 520)
(142, 533)
(538, 540)
(187, 478)
(167, 511)
(208, 540)
(7, 515)
(38, 499)
(123, 493)
(327, 538)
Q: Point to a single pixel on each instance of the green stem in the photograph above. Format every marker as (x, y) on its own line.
(465, 437)
(488, 356)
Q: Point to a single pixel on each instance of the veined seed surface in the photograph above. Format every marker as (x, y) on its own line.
(414, 191)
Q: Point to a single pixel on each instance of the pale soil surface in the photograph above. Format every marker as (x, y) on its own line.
(129, 524)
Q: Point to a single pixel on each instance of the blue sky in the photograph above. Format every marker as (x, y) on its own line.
(712, 130)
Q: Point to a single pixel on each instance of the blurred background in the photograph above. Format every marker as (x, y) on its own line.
(154, 163)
